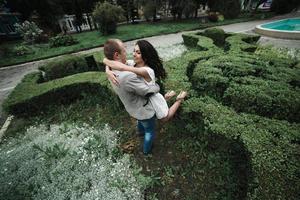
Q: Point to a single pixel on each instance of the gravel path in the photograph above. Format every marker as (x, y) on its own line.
(12, 75)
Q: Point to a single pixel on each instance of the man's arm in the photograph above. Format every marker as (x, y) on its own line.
(138, 86)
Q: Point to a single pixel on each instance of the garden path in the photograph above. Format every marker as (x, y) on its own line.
(12, 75)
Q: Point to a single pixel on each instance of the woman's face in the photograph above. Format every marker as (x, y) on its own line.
(137, 56)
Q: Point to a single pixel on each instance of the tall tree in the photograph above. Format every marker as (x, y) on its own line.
(177, 7)
(150, 8)
(49, 11)
(130, 8)
(2, 2)
(229, 8)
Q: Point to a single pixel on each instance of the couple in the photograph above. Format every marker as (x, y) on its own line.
(134, 82)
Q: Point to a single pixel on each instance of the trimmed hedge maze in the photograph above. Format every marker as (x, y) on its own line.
(238, 92)
(56, 84)
(248, 97)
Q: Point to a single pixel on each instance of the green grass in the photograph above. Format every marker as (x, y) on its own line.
(93, 39)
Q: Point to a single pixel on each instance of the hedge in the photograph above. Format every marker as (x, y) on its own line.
(219, 73)
(69, 65)
(59, 91)
(272, 145)
(266, 98)
(238, 75)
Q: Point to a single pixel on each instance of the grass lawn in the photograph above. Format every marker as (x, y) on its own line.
(93, 39)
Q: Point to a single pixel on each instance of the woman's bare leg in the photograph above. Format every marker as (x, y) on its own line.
(175, 106)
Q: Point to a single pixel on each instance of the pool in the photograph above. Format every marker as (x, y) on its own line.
(286, 29)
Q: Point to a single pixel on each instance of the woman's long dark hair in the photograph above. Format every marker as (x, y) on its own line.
(151, 58)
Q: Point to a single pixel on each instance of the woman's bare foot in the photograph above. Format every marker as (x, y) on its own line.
(181, 96)
(169, 95)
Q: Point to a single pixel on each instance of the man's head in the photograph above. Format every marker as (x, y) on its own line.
(114, 49)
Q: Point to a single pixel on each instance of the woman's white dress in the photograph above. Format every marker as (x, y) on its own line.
(157, 100)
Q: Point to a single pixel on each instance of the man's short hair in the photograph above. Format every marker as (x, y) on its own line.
(111, 46)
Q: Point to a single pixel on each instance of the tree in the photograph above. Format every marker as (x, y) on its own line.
(2, 3)
(49, 11)
(177, 8)
(284, 6)
(107, 16)
(130, 8)
(190, 8)
(150, 8)
(229, 8)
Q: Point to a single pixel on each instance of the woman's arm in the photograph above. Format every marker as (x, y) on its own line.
(122, 67)
(111, 76)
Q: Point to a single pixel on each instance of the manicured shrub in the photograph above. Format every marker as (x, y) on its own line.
(267, 98)
(67, 66)
(239, 43)
(200, 42)
(39, 96)
(208, 80)
(271, 145)
(216, 34)
(107, 16)
(62, 40)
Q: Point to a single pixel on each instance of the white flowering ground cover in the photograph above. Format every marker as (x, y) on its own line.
(68, 161)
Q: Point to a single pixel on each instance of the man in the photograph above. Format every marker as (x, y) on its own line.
(132, 91)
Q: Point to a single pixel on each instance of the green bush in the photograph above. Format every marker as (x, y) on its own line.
(68, 161)
(241, 43)
(62, 40)
(216, 34)
(271, 145)
(59, 91)
(267, 98)
(107, 16)
(229, 8)
(22, 50)
(63, 67)
(284, 6)
(30, 32)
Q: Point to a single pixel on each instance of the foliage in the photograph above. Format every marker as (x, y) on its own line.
(2, 3)
(149, 10)
(68, 161)
(91, 39)
(216, 34)
(265, 81)
(229, 8)
(30, 32)
(212, 16)
(22, 50)
(41, 94)
(284, 6)
(189, 9)
(271, 145)
(107, 16)
(62, 40)
(64, 67)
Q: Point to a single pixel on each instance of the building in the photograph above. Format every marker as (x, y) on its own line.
(7, 21)
(68, 24)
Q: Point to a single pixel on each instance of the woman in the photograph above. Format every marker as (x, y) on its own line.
(148, 65)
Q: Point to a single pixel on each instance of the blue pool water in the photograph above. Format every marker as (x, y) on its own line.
(284, 25)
